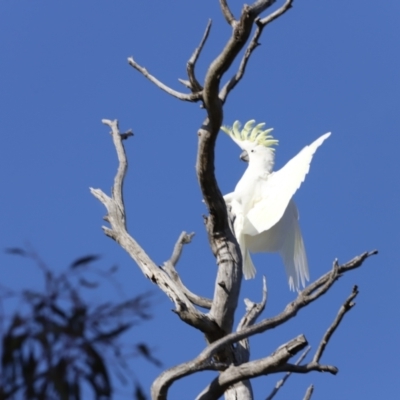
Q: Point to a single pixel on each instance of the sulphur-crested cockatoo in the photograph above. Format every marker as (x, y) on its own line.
(266, 217)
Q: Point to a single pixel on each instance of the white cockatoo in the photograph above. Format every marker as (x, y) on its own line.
(265, 216)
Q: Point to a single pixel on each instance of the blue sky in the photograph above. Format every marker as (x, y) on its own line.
(324, 66)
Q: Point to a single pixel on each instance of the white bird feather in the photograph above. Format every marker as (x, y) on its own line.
(266, 217)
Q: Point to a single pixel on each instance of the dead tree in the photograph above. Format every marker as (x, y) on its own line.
(227, 351)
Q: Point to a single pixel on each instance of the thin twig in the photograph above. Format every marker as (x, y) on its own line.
(243, 63)
(192, 97)
(230, 19)
(282, 381)
(261, 23)
(194, 84)
(170, 267)
(253, 310)
(347, 306)
(309, 392)
(184, 238)
(309, 367)
(260, 6)
(276, 14)
(117, 190)
(185, 83)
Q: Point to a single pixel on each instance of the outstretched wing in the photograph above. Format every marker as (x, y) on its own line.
(281, 186)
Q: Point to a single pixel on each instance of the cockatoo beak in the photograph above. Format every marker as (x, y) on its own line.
(244, 156)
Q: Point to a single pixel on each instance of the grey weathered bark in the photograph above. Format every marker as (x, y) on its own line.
(226, 352)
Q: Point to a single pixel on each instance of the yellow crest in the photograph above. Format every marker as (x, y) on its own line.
(251, 133)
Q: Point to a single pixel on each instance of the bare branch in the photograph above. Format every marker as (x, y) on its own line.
(194, 85)
(219, 66)
(253, 310)
(230, 19)
(303, 299)
(185, 83)
(321, 285)
(282, 381)
(195, 299)
(243, 63)
(222, 242)
(192, 97)
(241, 390)
(276, 14)
(252, 369)
(184, 238)
(159, 388)
(309, 392)
(260, 6)
(347, 306)
(308, 295)
(116, 217)
(314, 364)
(122, 166)
(268, 365)
(169, 267)
(232, 361)
(241, 352)
(356, 261)
(253, 45)
(311, 366)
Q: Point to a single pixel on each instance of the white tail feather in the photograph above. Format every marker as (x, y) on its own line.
(294, 257)
(249, 270)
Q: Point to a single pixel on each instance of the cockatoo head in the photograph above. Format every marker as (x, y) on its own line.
(255, 142)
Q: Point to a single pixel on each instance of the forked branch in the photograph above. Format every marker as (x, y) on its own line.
(346, 307)
(184, 238)
(277, 362)
(194, 84)
(276, 14)
(261, 23)
(282, 381)
(253, 310)
(230, 85)
(223, 244)
(192, 97)
(170, 267)
(227, 352)
(252, 369)
(227, 13)
(308, 295)
(116, 217)
(314, 365)
(260, 6)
